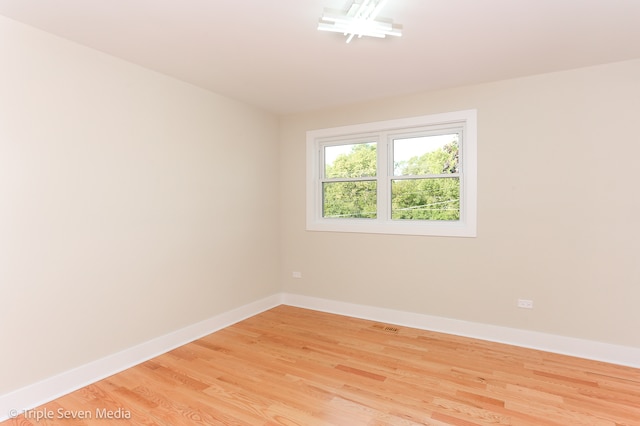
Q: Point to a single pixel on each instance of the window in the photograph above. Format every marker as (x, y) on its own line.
(412, 176)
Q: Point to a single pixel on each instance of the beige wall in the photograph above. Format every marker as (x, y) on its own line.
(558, 212)
(131, 205)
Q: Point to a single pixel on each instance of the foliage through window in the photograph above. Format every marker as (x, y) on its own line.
(426, 183)
(349, 188)
(408, 176)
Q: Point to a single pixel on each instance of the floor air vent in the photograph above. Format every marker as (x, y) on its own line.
(387, 328)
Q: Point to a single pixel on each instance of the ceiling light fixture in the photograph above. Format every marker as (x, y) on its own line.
(359, 20)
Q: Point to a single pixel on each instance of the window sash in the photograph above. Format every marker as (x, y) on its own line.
(427, 209)
(385, 171)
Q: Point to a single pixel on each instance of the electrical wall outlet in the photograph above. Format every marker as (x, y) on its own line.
(525, 303)
(296, 274)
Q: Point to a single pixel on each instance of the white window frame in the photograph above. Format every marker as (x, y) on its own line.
(381, 132)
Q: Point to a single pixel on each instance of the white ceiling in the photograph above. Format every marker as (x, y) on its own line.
(269, 53)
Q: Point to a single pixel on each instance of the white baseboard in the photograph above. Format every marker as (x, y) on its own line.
(588, 349)
(54, 387)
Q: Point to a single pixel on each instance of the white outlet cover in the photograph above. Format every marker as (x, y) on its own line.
(525, 303)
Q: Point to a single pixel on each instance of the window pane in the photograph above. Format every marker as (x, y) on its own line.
(349, 199)
(426, 155)
(426, 199)
(350, 161)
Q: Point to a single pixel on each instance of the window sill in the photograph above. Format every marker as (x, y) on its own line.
(400, 227)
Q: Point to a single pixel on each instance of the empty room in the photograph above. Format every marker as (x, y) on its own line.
(320, 212)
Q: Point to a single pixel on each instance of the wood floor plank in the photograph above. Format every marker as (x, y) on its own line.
(293, 366)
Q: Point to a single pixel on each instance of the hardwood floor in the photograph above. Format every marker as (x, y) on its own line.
(292, 366)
